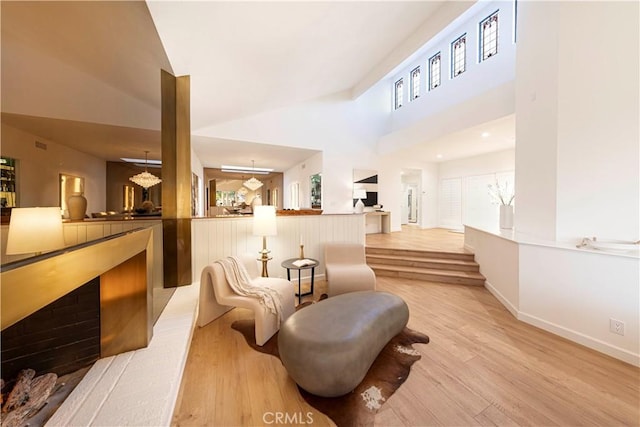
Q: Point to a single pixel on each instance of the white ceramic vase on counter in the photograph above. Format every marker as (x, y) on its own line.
(506, 216)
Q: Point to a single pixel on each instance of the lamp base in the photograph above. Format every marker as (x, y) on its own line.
(359, 208)
(264, 257)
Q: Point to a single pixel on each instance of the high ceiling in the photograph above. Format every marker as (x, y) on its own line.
(68, 68)
(249, 57)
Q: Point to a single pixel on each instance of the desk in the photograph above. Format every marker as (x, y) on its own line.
(385, 220)
(289, 265)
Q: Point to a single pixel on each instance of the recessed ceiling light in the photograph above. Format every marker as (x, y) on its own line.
(244, 169)
(439, 156)
(149, 162)
(485, 134)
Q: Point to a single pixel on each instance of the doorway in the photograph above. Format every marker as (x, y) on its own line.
(410, 207)
(412, 204)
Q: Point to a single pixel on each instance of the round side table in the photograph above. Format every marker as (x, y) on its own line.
(289, 265)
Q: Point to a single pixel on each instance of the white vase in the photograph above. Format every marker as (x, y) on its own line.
(77, 205)
(506, 216)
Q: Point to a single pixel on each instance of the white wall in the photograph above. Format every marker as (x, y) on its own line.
(499, 263)
(472, 170)
(499, 161)
(493, 104)
(567, 291)
(577, 120)
(576, 158)
(331, 122)
(429, 200)
(478, 77)
(574, 293)
(198, 169)
(390, 188)
(38, 170)
(598, 182)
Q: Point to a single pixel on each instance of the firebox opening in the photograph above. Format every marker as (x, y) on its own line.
(61, 338)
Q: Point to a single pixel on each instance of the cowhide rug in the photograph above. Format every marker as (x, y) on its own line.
(388, 372)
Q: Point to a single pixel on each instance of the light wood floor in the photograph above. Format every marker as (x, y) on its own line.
(411, 237)
(482, 367)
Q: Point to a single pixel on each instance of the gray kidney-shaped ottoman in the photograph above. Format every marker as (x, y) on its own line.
(328, 347)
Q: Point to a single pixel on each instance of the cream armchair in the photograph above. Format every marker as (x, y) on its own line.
(217, 297)
(346, 269)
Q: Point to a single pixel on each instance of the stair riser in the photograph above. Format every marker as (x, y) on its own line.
(430, 277)
(417, 254)
(424, 264)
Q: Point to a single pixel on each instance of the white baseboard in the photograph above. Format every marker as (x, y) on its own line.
(587, 341)
(577, 337)
(504, 301)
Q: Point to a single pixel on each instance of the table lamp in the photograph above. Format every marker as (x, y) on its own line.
(35, 230)
(264, 224)
(359, 194)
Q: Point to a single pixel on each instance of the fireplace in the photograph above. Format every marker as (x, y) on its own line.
(61, 338)
(64, 310)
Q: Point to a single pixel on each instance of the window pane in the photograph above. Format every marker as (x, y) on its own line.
(459, 56)
(489, 37)
(415, 84)
(398, 94)
(434, 71)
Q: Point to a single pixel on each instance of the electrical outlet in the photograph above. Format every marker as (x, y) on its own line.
(616, 326)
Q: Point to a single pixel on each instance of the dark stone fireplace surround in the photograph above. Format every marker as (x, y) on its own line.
(61, 338)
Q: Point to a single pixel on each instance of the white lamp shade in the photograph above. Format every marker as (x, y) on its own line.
(34, 230)
(360, 193)
(264, 221)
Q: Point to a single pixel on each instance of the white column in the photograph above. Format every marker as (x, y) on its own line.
(577, 120)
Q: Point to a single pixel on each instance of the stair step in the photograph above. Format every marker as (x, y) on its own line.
(435, 263)
(428, 274)
(419, 253)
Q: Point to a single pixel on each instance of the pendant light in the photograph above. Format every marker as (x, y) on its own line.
(145, 179)
(253, 184)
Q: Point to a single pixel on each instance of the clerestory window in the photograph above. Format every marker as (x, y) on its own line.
(415, 84)
(434, 71)
(398, 94)
(459, 55)
(489, 36)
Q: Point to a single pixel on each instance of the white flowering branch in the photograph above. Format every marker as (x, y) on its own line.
(501, 194)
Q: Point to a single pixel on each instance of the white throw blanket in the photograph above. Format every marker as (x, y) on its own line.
(239, 280)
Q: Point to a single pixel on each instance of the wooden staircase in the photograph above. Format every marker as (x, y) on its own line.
(433, 266)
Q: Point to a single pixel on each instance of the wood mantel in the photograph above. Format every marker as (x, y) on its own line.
(123, 263)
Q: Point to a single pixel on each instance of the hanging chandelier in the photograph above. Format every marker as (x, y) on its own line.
(253, 184)
(145, 179)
